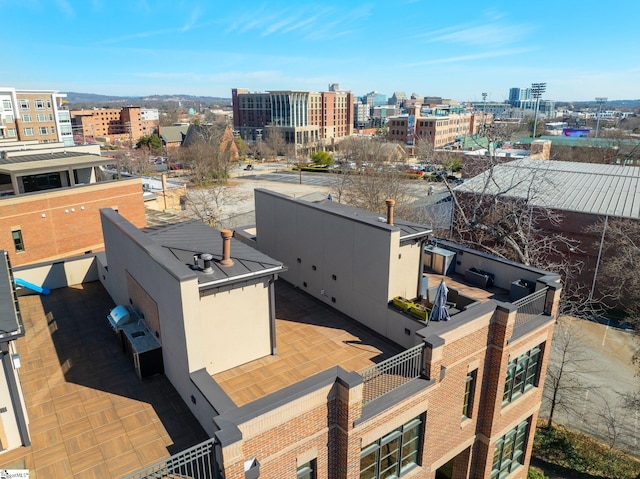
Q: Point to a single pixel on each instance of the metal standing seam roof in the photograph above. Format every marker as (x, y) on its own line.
(184, 240)
(582, 187)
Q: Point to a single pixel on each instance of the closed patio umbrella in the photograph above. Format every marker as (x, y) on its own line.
(439, 311)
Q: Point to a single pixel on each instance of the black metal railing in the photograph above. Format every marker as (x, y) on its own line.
(392, 373)
(197, 462)
(531, 306)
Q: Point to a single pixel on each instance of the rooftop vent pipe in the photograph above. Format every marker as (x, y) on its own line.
(226, 248)
(390, 204)
(206, 257)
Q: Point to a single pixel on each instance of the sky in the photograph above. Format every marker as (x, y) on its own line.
(454, 49)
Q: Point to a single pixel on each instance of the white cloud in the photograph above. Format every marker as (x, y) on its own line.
(472, 57)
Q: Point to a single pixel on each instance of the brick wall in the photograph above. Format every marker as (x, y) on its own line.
(66, 222)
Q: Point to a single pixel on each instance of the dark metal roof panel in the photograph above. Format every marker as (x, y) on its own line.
(192, 238)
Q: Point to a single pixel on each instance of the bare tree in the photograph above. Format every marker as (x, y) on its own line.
(567, 363)
(375, 178)
(209, 204)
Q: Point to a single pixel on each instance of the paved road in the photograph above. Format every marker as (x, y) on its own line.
(606, 374)
(416, 188)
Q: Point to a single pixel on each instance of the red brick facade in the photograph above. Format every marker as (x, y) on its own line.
(65, 222)
(325, 424)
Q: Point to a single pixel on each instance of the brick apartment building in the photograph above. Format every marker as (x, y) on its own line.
(440, 128)
(27, 115)
(110, 124)
(304, 117)
(350, 385)
(49, 201)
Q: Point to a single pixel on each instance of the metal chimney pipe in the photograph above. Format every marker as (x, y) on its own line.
(390, 204)
(206, 257)
(226, 247)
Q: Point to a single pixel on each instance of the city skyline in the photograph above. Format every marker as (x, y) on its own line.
(140, 48)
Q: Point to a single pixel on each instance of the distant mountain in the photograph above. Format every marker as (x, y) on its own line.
(75, 97)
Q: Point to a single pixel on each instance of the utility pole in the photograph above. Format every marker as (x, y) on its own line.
(537, 89)
(600, 100)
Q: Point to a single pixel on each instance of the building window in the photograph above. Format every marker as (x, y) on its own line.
(394, 454)
(41, 117)
(470, 388)
(11, 132)
(44, 130)
(307, 470)
(6, 105)
(509, 452)
(18, 243)
(9, 118)
(24, 104)
(522, 374)
(28, 132)
(27, 118)
(39, 104)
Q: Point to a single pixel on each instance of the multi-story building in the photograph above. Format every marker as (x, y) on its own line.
(34, 115)
(49, 201)
(439, 128)
(114, 124)
(302, 117)
(285, 390)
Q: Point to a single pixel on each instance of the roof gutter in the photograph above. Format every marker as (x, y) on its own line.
(416, 235)
(241, 277)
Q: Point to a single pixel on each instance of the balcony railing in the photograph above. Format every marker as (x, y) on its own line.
(391, 373)
(531, 306)
(197, 462)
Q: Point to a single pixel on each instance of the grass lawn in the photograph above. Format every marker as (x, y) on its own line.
(579, 456)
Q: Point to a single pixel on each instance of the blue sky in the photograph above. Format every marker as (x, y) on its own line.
(455, 49)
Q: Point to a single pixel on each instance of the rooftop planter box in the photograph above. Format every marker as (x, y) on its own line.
(420, 312)
(403, 303)
(478, 277)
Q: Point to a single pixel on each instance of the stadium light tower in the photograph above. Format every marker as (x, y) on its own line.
(537, 89)
(600, 100)
(484, 113)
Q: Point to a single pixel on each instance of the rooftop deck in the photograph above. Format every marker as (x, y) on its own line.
(311, 337)
(457, 282)
(90, 416)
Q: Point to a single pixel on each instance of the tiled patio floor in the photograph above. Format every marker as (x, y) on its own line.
(90, 416)
(311, 337)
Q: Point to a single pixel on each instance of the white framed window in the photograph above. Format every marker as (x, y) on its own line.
(27, 118)
(24, 104)
(6, 105)
(41, 117)
(9, 118)
(44, 130)
(50, 116)
(11, 132)
(39, 104)
(48, 103)
(28, 132)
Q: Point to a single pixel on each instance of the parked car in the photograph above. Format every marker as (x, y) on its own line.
(248, 168)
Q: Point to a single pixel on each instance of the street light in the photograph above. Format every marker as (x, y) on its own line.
(600, 100)
(537, 89)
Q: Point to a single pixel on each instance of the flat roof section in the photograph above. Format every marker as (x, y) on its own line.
(311, 337)
(90, 415)
(50, 162)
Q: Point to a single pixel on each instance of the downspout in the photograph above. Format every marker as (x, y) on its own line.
(421, 270)
(14, 394)
(272, 314)
(595, 273)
